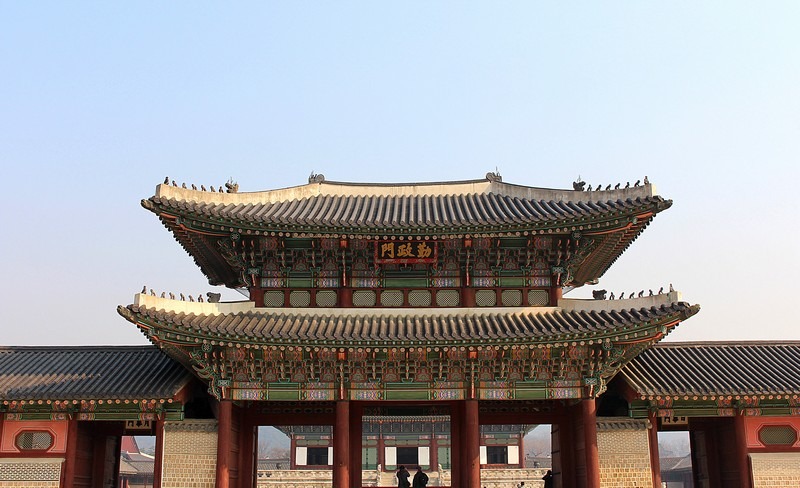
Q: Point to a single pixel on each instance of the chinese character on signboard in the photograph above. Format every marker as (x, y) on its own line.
(405, 252)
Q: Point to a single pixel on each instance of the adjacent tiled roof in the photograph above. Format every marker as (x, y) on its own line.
(726, 368)
(89, 372)
(338, 326)
(444, 206)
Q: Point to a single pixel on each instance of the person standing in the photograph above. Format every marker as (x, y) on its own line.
(548, 479)
(420, 479)
(402, 477)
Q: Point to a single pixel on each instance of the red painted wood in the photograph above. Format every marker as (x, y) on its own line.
(555, 295)
(589, 415)
(655, 461)
(471, 443)
(70, 464)
(341, 445)
(456, 419)
(742, 458)
(158, 464)
(224, 421)
(356, 461)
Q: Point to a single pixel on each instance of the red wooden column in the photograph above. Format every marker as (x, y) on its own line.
(70, 464)
(589, 417)
(456, 416)
(471, 445)
(555, 295)
(224, 425)
(158, 462)
(655, 462)
(355, 444)
(742, 459)
(248, 451)
(341, 445)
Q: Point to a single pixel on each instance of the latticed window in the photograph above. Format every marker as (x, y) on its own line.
(447, 298)
(326, 298)
(538, 298)
(364, 298)
(511, 298)
(485, 298)
(392, 298)
(273, 299)
(777, 435)
(419, 298)
(300, 298)
(34, 440)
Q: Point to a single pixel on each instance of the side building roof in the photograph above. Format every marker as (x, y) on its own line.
(716, 369)
(86, 373)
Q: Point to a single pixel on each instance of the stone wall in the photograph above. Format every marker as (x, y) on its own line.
(190, 454)
(624, 450)
(30, 473)
(776, 470)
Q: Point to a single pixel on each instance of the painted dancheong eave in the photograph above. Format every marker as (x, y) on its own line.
(391, 354)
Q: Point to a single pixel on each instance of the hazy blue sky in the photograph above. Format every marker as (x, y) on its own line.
(100, 101)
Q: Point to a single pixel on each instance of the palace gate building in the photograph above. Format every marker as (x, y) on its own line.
(435, 302)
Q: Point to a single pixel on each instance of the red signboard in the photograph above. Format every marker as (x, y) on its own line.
(405, 252)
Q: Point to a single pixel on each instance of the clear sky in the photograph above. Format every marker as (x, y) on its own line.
(100, 101)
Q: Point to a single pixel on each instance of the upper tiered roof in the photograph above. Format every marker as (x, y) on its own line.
(608, 219)
(420, 208)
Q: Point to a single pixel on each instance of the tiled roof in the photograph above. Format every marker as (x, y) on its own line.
(374, 207)
(343, 326)
(725, 368)
(88, 373)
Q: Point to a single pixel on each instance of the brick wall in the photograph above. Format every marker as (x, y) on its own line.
(190, 454)
(30, 473)
(624, 453)
(775, 470)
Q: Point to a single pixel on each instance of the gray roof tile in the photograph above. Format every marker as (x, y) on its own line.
(724, 368)
(88, 372)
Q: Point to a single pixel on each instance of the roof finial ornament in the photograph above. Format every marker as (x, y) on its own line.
(194, 187)
(171, 296)
(599, 294)
(637, 183)
(590, 188)
(231, 186)
(163, 294)
(202, 187)
(608, 187)
(174, 184)
(578, 184)
(200, 298)
(646, 181)
(651, 293)
(627, 184)
(494, 177)
(144, 289)
(612, 296)
(152, 292)
(316, 178)
(641, 294)
(220, 189)
(183, 298)
(183, 185)
(166, 180)
(213, 297)
(616, 187)
(661, 290)
(671, 289)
